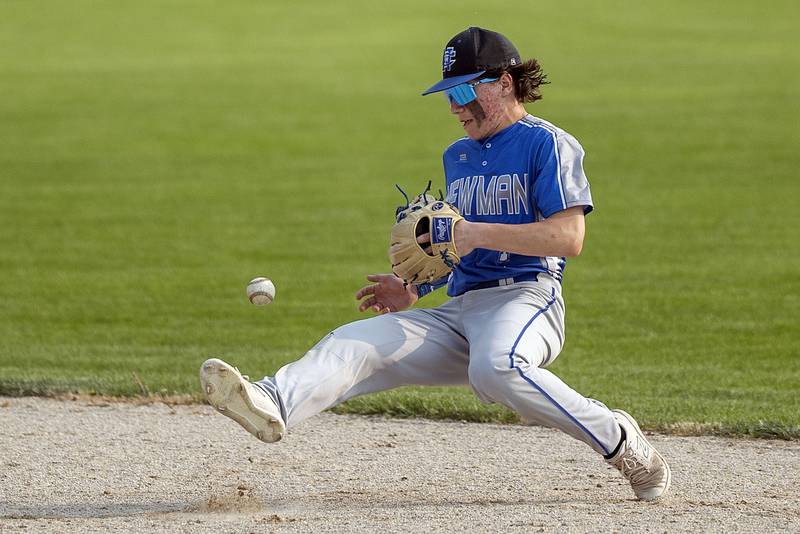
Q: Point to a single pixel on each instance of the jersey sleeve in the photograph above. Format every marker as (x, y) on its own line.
(430, 287)
(560, 182)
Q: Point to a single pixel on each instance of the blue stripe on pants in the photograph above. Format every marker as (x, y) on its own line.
(537, 386)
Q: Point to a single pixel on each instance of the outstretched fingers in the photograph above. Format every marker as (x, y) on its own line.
(366, 290)
(424, 241)
(376, 295)
(366, 304)
(375, 305)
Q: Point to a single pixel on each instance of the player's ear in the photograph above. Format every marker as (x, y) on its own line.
(506, 84)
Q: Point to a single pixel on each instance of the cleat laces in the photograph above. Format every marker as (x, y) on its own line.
(635, 464)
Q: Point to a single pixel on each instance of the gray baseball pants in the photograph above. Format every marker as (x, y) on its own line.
(498, 340)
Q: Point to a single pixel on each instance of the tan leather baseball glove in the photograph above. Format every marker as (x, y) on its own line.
(410, 260)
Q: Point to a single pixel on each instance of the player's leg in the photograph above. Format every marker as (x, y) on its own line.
(416, 347)
(514, 331)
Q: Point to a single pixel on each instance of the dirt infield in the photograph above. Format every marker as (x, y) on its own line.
(71, 466)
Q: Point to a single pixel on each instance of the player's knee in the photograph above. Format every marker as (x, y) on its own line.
(495, 370)
(490, 376)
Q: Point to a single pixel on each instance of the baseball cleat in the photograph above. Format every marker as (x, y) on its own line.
(640, 462)
(232, 395)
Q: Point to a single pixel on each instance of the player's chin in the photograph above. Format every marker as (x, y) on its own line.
(471, 129)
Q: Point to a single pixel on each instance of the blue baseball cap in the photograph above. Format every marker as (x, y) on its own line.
(472, 53)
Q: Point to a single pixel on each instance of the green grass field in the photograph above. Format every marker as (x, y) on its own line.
(155, 156)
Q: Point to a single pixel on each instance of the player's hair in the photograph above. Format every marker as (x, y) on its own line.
(528, 77)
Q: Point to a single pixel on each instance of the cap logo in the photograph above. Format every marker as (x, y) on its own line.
(449, 58)
(513, 61)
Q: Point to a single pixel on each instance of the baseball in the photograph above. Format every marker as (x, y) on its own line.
(260, 291)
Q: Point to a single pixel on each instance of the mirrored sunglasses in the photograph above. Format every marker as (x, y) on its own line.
(464, 93)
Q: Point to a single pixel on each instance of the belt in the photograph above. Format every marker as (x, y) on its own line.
(526, 277)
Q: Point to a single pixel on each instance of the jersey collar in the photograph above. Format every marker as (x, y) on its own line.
(500, 136)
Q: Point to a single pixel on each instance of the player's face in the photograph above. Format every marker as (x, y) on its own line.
(485, 115)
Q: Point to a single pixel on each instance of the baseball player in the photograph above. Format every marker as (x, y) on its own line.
(519, 184)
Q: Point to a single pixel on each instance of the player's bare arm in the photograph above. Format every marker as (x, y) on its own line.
(559, 235)
(387, 294)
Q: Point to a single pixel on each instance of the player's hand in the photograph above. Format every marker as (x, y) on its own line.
(464, 238)
(388, 294)
(424, 241)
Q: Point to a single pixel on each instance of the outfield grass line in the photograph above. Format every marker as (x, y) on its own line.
(759, 430)
(400, 409)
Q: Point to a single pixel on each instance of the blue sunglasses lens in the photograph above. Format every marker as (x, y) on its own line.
(464, 93)
(461, 94)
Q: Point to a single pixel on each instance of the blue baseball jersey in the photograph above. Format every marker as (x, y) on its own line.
(524, 173)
